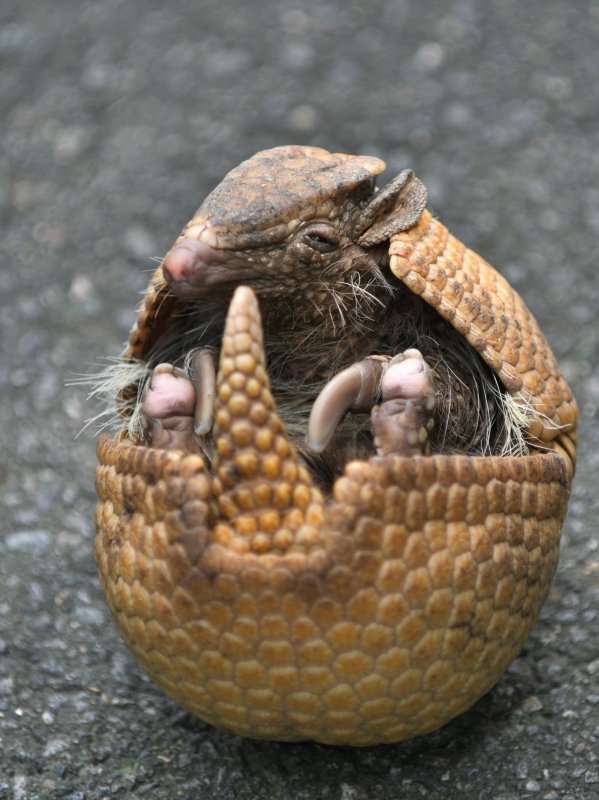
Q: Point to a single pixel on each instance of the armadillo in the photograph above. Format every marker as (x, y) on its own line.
(333, 506)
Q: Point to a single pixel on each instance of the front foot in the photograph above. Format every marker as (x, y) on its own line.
(398, 392)
(177, 408)
(167, 410)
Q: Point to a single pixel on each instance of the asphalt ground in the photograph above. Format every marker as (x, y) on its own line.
(116, 118)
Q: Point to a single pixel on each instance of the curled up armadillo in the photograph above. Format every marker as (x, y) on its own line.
(333, 508)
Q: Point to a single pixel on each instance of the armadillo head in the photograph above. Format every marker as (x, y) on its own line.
(266, 198)
(286, 207)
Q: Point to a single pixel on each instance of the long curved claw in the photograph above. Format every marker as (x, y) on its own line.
(202, 368)
(265, 496)
(354, 389)
(404, 418)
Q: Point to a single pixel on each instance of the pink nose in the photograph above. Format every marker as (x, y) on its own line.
(187, 262)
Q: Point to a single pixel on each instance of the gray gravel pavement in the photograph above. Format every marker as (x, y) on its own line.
(117, 116)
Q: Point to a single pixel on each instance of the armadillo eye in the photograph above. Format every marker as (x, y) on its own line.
(323, 238)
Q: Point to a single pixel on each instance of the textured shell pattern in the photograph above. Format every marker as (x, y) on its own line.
(372, 616)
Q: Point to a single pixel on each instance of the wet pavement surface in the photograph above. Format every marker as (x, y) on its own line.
(117, 118)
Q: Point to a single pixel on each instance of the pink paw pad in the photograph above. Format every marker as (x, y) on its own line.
(169, 393)
(406, 377)
(168, 409)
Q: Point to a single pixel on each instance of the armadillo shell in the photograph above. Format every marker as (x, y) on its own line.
(373, 616)
(483, 307)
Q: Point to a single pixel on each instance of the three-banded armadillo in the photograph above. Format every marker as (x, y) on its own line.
(345, 531)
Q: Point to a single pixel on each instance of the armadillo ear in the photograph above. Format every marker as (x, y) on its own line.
(396, 207)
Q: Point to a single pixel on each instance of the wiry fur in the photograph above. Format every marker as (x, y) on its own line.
(105, 386)
(326, 303)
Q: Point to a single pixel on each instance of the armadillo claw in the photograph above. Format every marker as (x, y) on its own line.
(353, 389)
(202, 370)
